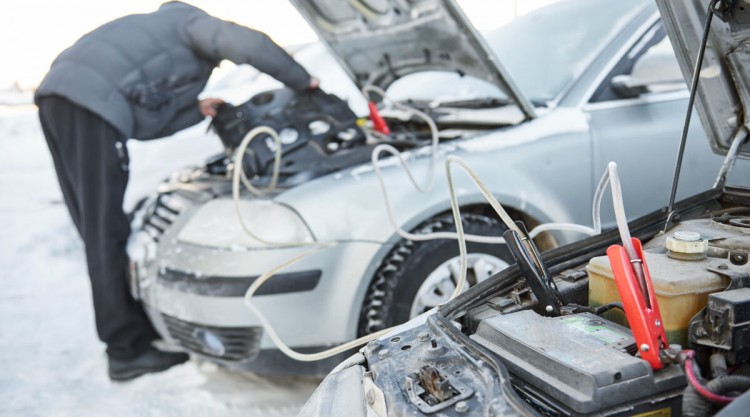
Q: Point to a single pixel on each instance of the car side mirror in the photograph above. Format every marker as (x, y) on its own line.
(656, 71)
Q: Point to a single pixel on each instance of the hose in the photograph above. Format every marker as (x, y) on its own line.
(698, 399)
(283, 347)
(385, 148)
(718, 365)
(697, 403)
(729, 384)
(434, 139)
(308, 357)
(619, 207)
(596, 205)
(239, 175)
(622, 226)
(240, 153)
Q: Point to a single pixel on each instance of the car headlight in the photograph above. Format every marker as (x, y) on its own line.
(345, 385)
(216, 224)
(141, 250)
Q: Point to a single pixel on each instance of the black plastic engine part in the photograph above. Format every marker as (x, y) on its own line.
(725, 324)
(312, 125)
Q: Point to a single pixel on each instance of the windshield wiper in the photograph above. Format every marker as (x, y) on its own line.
(481, 103)
(473, 103)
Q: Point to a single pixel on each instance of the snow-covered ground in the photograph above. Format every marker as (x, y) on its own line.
(51, 362)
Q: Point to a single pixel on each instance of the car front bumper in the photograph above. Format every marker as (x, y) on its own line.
(195, 296)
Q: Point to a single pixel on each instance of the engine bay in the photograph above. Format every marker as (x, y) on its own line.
(586, 364)
(562, 336)
(585, 361)
(320, 134)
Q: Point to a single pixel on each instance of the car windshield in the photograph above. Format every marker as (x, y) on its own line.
(546, 50)
(543, 52)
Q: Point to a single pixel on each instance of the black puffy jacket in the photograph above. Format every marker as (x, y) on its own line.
(142, 73)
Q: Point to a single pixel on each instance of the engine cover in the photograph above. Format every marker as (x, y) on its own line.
(312, 125)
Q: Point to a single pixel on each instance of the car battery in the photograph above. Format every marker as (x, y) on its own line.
(581, 365)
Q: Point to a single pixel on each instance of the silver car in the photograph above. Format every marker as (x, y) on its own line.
(566, 351)
(537, 108)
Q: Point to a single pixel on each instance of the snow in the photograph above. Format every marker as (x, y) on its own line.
(51, 362)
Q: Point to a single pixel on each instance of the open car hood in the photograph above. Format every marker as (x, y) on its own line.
(379, 41)
(723, 93)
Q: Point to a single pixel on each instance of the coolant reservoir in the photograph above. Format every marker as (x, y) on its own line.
(681, 285)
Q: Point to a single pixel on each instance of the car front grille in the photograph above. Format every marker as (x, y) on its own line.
(228, 343)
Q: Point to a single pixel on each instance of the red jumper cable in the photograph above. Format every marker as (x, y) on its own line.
(378, 123)
(639, 302)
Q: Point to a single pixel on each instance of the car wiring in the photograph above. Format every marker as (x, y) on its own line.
(315, 247)
(463, 255)
(386, 148)
(238, 174)
(242, 148)
(694, 381)
(622, 224)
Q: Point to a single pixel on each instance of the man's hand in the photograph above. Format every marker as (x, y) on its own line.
(208, 106)
(314, 83)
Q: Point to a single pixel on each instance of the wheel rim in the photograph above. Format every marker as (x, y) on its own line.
(441, 282)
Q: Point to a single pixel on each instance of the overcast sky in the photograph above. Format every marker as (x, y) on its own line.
(33, 32)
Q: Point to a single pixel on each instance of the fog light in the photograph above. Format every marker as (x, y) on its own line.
(210, 341)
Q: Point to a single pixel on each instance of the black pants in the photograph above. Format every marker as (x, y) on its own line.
(91, 162)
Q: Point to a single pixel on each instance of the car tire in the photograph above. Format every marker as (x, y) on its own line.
(390, 298)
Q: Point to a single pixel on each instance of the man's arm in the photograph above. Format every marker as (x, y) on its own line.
(218, 39)
(208, 106)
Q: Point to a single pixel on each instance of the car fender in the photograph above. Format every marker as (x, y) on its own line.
(349, 206)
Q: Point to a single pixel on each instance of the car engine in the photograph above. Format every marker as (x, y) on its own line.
(585, 363)
(311, 125)
(320, 134)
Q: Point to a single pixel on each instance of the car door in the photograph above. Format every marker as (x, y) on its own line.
(636, 117)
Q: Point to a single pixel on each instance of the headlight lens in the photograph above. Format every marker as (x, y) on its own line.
(340, 394)
(141, 250)
(216, 224)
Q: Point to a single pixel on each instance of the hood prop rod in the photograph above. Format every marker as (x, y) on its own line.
(691, 101)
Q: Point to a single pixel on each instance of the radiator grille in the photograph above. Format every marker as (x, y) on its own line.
(239, 343)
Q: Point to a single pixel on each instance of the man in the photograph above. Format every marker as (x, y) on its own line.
(135, 77)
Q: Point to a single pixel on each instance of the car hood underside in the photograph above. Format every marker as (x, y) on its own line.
(724, 90)
(379, 41)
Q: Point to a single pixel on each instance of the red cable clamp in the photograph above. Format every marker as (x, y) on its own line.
(378, 123)
(643, 314)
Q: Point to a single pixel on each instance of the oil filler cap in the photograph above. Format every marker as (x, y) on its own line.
(687, 246)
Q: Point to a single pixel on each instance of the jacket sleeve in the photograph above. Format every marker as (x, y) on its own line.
(218, 39)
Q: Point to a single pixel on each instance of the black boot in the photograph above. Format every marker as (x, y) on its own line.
(153, 360)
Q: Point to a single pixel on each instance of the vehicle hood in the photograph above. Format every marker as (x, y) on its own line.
(379, 41)
(723, 93)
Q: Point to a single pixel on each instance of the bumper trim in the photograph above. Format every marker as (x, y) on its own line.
(218, 286)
